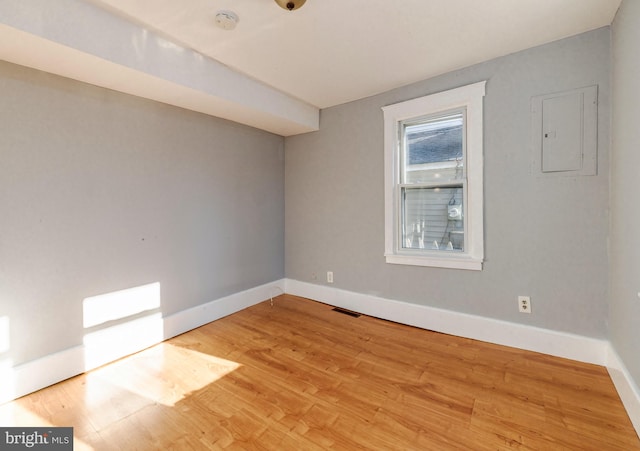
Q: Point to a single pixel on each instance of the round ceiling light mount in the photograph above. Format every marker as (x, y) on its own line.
(227, 20)
(291, 5)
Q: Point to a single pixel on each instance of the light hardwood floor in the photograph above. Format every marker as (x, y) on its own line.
(299, 376)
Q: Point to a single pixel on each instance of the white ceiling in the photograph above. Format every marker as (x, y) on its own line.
(333, 51)
(285, 65)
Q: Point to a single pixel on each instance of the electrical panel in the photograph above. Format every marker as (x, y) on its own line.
(565, 134)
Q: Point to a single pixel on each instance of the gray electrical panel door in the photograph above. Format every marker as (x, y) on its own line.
(565, 132)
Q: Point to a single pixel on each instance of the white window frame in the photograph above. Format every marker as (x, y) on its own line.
(470, 98)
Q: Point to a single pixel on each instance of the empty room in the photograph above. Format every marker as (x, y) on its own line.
(308, 225)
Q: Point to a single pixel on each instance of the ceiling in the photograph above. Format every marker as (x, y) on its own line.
(326, 53)
(333, 51)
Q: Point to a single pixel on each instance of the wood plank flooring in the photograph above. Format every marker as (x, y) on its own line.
(299, 376)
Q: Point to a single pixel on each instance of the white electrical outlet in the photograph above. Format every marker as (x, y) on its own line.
(524, 304)
(329, 276)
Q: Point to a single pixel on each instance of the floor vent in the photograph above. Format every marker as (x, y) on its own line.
(346, 312)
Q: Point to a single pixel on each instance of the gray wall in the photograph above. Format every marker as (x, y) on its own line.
(544, 237)
(625, 188)
(100, 191)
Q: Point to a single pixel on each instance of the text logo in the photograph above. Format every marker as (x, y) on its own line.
(40, 438)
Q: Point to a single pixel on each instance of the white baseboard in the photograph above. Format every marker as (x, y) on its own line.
(626, 387)
(559, 344)
(32, 376)
(189, 319)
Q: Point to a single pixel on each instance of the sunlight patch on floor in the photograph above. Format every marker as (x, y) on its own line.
(14, 415)
(164, 374)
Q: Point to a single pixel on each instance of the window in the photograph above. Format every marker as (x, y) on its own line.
(433, 180)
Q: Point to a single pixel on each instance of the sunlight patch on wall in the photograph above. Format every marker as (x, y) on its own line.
(120, 304)
(121, 323)
(164, 374)
(7, 386)
(5, 344)
(109, 344)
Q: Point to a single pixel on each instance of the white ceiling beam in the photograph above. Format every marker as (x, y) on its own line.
(78, 40)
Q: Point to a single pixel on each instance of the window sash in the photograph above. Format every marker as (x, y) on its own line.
(402, 228)
(439, 117)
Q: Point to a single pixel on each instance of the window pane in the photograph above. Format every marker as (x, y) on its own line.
(433, 149)
(432, 219)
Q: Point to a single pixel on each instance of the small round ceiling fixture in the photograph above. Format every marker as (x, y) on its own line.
(227, 20)
(290, 4)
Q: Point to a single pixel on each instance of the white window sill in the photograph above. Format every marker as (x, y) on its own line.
(445, 261)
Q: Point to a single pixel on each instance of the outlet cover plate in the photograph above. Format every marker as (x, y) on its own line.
(524, 304)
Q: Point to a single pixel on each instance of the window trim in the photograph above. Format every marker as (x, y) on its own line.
(468, 97)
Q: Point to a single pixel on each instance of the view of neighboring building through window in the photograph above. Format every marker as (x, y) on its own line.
(433, 180)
